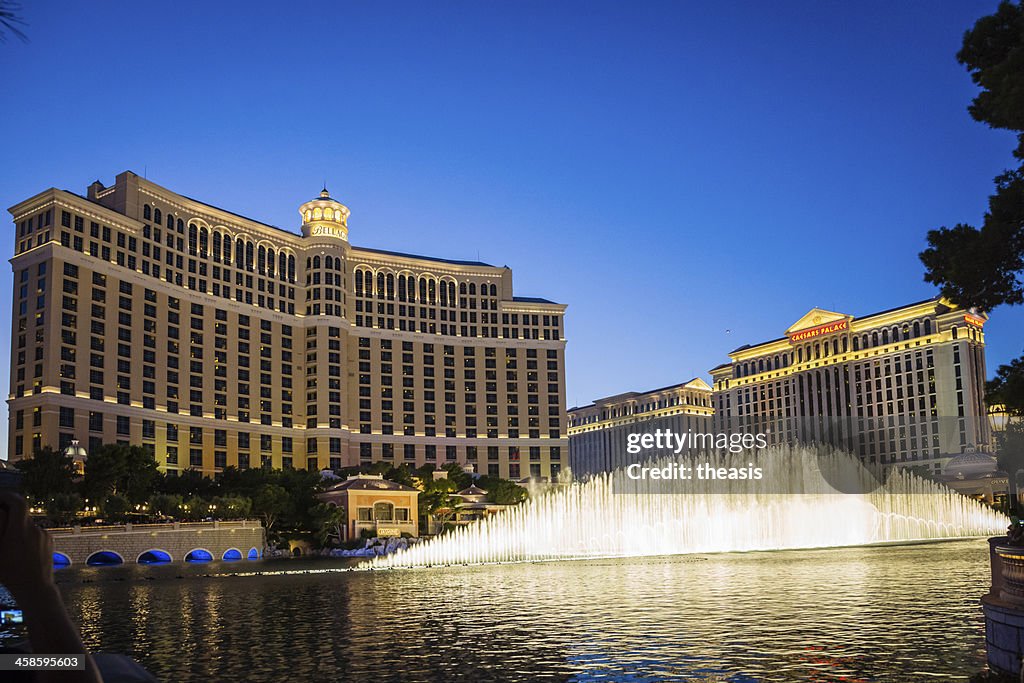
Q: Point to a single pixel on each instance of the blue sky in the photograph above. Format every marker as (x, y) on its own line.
(688, 177)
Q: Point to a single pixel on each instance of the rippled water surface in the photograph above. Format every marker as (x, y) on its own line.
(907, 613)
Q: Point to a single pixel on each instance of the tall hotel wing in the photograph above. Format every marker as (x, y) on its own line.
(903, 386)
(145, 317)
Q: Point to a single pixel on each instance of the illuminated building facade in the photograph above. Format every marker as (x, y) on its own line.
(598, 432)
(142, 316)
(903, 386)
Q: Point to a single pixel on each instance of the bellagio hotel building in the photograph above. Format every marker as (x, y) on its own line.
(145, 317)
(899, 387)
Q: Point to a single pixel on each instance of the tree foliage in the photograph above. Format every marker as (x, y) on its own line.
(271, 502)
(983, 267)
(502, 491)
(1011, 457)
(128, 471)
(46, 474)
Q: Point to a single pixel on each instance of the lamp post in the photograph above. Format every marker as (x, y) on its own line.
(78, 454)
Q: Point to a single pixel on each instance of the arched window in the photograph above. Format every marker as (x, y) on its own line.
(170, 220)
(410, 288)
(380, 285)
(329, 262)
(291, 268)
(248, 256)
(472, 289)
(874, 338)
(423, 289)
(261, 259)
(147, 212)
(270, 262)
(885, 336)
(193, 238)
(204, 241)
(928, 326)
(391, 287)
(227, 249)
(157, 216)
(359, 283)
(240, 253)
(432, 291)
(444, 293)
(462, 288)
(917, 328)
(216, 246)
(282, 265)
(181, 226)
(383, 511)
(856, 343)
(401, 288)
(451, 294)
(494, 290)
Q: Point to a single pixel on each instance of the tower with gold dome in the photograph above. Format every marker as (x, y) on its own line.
(324, 217)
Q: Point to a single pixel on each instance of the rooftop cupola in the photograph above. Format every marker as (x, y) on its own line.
(324, 217)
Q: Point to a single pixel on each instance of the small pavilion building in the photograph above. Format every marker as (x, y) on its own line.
(373, 504)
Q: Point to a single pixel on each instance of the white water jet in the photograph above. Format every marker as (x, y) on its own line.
(797, 504)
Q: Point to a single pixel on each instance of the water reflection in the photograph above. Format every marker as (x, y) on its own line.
(860, 614)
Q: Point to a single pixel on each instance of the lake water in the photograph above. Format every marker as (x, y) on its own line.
(906, 613)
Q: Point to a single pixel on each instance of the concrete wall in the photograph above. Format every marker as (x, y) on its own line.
(176, 539)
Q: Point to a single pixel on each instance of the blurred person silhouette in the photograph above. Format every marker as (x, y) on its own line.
(26, 571)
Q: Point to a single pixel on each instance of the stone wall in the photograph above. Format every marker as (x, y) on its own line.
(176, 539)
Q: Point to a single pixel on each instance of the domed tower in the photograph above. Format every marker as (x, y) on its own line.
(324, 217)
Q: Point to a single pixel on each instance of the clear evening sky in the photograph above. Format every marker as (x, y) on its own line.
(688, 177)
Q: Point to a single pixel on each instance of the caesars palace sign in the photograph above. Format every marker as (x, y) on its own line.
(819, 331)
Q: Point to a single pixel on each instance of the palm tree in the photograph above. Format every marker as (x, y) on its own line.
(10, 20)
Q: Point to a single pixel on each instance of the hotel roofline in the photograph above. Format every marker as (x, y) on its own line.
(697, 384)
(217, 216)
(934, 304)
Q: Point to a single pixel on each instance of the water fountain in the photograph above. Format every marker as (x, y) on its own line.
(807, 498)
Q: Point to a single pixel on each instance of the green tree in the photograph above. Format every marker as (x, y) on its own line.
(1011, 458)
(436, 498)
(46, 474)
(165, 504)
(270, 502)
(113, 469)
(63, 508)
(502, 491)
(115, 508)
(329, 521)
(11, 21)
(195, 508)
(984, 267)
(188, 483)
(231, 507)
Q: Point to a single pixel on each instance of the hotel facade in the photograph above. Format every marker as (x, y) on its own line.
(142, 316)
(598, 432)
(903, 386)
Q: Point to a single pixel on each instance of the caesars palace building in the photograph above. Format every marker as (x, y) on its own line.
(903, 386)
(900, 387)
(142, 316)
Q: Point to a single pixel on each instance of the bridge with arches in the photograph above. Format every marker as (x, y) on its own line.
(101, 546)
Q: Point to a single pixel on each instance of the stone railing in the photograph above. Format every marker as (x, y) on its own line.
(156, 526)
